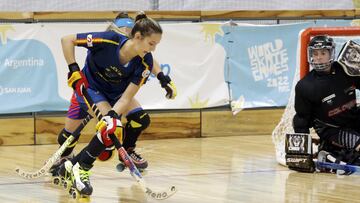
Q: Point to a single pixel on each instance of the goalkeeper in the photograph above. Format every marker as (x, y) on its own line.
(325, 99)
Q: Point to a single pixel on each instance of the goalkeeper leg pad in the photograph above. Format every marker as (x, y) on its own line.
(298, 148)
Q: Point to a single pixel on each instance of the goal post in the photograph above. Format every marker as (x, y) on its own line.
(308, 33)
(285, 124)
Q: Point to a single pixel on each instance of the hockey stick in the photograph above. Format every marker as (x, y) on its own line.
(50, 162)
(349, 169)
(160, 195)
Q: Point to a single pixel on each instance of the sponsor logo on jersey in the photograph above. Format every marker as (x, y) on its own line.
(345, 107)
(145, 73)
(328, 99)
(89, 40)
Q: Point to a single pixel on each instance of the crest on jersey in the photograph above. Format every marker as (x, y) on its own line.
(145, 73)
(89, 40)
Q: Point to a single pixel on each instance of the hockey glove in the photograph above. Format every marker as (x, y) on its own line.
(76, 79)
(168, 85)
(109, 124)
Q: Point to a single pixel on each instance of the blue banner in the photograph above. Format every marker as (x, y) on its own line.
(28, 78)
(261, 62)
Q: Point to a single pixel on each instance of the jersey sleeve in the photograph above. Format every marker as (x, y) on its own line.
(142, 73)
(303, 108)
(95, 40)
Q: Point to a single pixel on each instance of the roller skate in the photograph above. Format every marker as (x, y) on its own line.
(54, 168)
(140, 163)
(80, 183)
(62, 175)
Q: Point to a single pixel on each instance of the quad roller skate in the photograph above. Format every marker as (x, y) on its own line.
(74, 179)
(79, 184)
(62, 174)
(54, 169)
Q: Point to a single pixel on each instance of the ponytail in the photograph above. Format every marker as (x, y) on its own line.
(145, 25)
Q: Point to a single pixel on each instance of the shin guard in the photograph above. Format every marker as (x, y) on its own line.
(136, 123)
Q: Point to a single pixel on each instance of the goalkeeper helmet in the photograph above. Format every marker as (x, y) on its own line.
(318, 43)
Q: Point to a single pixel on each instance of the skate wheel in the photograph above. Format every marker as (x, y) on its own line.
(71, 190)
(62, 180)
(65, 185)
(74, 194)
(57, 181)
(120, 167)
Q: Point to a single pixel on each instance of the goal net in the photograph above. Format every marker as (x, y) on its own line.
(340, 35)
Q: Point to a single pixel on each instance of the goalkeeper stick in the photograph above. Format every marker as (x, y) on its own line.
(160, 195)
(50, 162)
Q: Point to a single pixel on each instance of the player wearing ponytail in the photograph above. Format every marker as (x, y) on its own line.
(116, 67)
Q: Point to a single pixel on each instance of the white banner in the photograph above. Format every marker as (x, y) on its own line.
(33, 71)
(195, 63)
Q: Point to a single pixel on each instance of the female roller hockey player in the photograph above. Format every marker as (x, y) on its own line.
(326, 100)
(116, 67)
(122, 25)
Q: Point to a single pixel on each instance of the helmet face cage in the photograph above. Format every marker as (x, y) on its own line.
(317, 43)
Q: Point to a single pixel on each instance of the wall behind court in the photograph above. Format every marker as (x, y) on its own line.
(173, 5)
(212, 64)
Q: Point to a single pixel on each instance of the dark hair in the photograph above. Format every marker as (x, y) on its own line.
(145, 25)
(122, 14)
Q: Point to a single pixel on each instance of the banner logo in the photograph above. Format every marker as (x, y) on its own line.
(24, 63)
(14, 90)
(269, 62)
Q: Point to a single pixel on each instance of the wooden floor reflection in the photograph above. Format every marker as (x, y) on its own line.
(209, 170)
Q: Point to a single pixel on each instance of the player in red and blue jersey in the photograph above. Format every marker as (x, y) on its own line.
(116, 67)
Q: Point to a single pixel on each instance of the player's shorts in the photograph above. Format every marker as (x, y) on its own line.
(78, 108)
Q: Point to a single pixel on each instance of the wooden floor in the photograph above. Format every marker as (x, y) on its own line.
(205, 170)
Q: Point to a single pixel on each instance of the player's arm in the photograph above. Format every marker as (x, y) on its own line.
(298, 146)
(123, 102)
(76, 79)
(156, 68)
(68, 47)
(303, 108)
(110, 123)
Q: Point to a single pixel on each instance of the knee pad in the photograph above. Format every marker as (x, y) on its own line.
(139, 120)
(106, 154)
(62, 137)
(136, 123)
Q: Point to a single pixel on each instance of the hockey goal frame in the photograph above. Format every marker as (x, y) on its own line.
(285, 124)
(313, 31)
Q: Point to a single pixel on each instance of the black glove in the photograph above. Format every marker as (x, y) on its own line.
(168, 85)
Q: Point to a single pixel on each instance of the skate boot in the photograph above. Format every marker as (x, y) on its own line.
(62, 174)
(139, 162)
(81, 187)
(54, 168)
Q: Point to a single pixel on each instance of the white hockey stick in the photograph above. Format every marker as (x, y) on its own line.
(50, 162)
